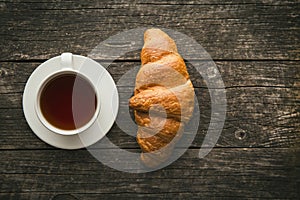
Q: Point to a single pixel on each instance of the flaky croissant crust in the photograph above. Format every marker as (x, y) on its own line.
(164, 88)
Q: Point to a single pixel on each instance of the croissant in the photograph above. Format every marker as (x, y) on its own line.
(163, 100)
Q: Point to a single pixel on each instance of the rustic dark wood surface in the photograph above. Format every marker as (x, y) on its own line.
(256, 47)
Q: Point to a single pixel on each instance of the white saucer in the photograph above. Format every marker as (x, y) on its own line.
(105, 87)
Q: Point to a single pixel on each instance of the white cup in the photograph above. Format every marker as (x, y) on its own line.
(68, 63)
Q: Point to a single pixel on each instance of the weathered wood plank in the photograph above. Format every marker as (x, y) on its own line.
(231, 172)
(262, 105)
(266, 129)
(226, 29)
(235, 74)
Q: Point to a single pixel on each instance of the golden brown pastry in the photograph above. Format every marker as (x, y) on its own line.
(164, 90)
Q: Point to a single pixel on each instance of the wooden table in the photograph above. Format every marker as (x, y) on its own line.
(256, 48)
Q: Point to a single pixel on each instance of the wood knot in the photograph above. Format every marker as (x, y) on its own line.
(2, 6)
(2, 72)
(240, 134)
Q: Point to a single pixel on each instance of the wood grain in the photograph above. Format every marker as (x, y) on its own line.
(229, 173)
(227, 30)
(256, 48)
(262, 105)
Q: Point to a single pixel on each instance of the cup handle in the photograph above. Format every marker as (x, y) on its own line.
(66, 60)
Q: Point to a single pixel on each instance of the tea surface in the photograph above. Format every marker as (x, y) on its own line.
(68, 101)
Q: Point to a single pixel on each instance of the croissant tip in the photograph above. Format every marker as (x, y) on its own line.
(152, 30)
